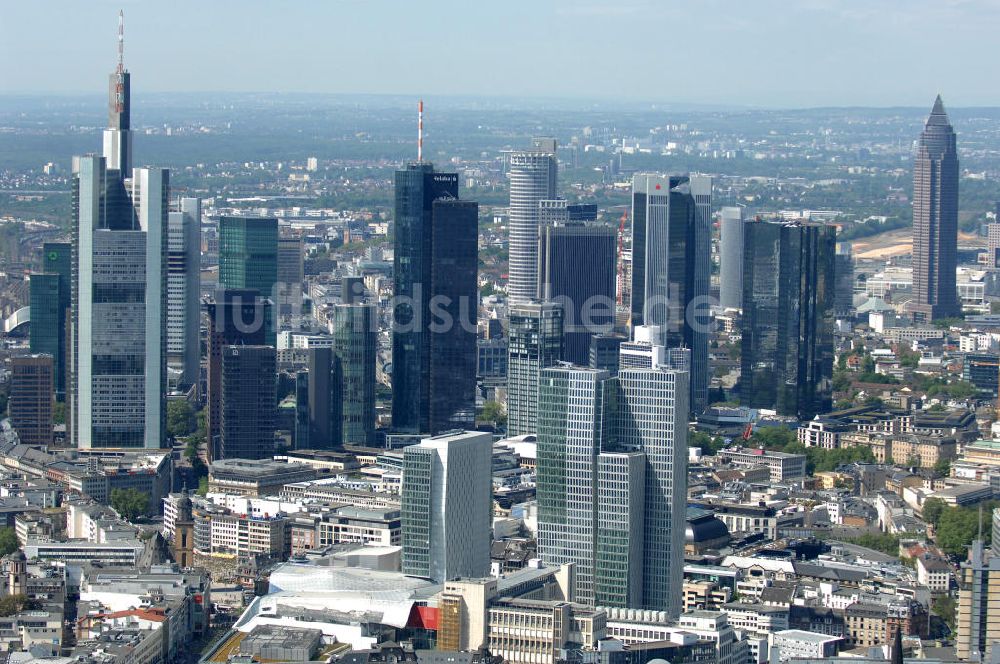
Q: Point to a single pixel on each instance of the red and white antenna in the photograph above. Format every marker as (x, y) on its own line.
(420, 130)
(121, 41)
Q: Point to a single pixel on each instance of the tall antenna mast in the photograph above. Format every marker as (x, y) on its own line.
(121, 41)
(420, 130)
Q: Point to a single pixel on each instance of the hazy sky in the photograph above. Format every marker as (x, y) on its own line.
(772, 53)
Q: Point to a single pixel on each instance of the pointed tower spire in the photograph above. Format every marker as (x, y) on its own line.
(938, 115)
(121, 42)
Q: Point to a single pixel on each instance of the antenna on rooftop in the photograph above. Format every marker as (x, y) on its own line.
(420, 130)
(121, 41)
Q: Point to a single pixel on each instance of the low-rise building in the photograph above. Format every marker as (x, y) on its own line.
(797, 644)
(263, 477)
(784, 467)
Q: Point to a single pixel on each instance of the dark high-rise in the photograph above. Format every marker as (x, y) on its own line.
(30, 402)
(237, 317)
(435, 285)
(576, 268)
(355, 348)
(671, 234)
(935, 219)
(788, 300)
(248, 255)
(248, 405)
(843, 298)
(51, 294)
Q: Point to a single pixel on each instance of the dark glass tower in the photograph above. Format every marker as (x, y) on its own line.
(355, 346)
(237, 317)
(788, 300)
(433, 365)
(576, 268)
(671, 233)
(935, 219)
(51, 297)
(248, 404)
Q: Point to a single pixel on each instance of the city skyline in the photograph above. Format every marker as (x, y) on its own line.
(853, 34)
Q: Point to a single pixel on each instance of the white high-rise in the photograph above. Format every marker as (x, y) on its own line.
(447, 506)
(532, 175)
(184, 292)
(118, 368)
(731, 258)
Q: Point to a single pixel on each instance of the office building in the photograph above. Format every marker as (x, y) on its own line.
(117, 137)
(236, 317)
(843, 281)
(535, 341)
(787, 325)
(611, 475)
(290, 276)
(51, 290)
(604, 351)
(184, 291)
(532, 174)
(993, 243)
(31, 396)
(935, 219)
(653, 419)
(355, 346)
(435, 261)
(447, 506)
(248, 406)
(248, 259)
(731, 258)
(118, 363)
(671, 235)
(978, 628)
(576, 268)
(323, 405)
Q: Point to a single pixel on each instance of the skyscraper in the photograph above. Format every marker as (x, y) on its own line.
(671, 236)
(653, 419)
(323, 381)
(978, 628)
(184, 291)
(576, 268)
(731, 258)
(435, 286)
(31, 396)
(290, 276)
(843, 274)
(118, 136)
(611, 482)
(446, 509)
(535, 341)
(935, 219)
(118, 364)
(248, 405)
(787, 326)
(237, 317)
(532, 174)
(51, 292)
(355, 343)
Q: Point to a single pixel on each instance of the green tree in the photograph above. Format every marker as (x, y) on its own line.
(59, 413)
(944, 607)
(933, 509)
(709, 445)
(180, 418)
(202, 487)
(773, 438)
(884, 542)
(943, 467)
(14, 604)
(493, 412)
(8, 541)
(129, 503)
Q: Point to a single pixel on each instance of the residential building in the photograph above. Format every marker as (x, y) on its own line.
(446, 506)
(535, 342)
(935, 219)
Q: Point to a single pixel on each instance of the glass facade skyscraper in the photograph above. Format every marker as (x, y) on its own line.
(535, 341)
(248, 405)
(935, 219)
(532, 174)
(184, 291)
(118, 363)
(671, 235)
(355, 346)
(611, 482)
(731, 258)
(787, 325)
(576, 268)
(434, 318)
